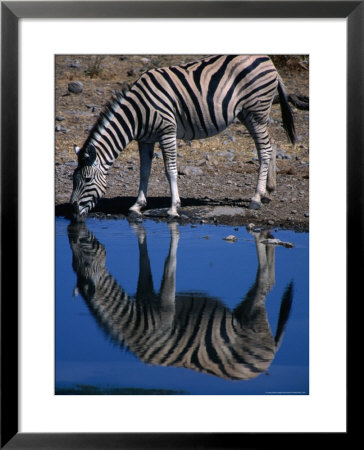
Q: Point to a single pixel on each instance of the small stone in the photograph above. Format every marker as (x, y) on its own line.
(190, 170)
(60, 118)
(306, 214)
(61, 128)
(75, 65)
(230, 238)
(76, 87)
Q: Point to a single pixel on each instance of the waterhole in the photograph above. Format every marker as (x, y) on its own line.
(161, 308)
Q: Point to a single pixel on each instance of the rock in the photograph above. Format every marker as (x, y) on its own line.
(76, 87)
(75, 65)
(190, 170)
(229, 154)
(230, 238)
(61, 128)
(277, 242)
(60, 118)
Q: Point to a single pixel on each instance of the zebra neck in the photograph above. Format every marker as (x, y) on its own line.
(117, 126)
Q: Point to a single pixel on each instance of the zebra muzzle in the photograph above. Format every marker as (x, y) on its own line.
(75, 212)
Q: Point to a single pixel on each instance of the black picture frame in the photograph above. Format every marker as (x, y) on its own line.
(11, 13)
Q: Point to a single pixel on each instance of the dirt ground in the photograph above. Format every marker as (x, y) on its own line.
(217, 176)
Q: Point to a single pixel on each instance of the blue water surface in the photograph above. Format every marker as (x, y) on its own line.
(207, 264)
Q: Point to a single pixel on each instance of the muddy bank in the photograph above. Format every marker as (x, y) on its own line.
(217, 176)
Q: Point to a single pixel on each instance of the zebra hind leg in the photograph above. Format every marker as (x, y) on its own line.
(266, 176)
(146, 156)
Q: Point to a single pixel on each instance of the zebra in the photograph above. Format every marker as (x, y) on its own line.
(190, 330)
(190, 101)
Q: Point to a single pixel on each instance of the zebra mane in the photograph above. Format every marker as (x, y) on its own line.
(106, 115)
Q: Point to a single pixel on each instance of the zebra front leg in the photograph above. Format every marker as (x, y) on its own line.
(145, 156)
(169, 149)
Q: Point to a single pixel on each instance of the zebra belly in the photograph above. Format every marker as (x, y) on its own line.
(188, 133)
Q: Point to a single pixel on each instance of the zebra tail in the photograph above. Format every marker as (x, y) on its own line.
(284, 314)
(287, 116)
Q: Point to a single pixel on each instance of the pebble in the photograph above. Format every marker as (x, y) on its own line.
(277, 242)
(75, 87)
(75, 65)
(230, 238)
(60, 118)
(61, 128)
(190, 170)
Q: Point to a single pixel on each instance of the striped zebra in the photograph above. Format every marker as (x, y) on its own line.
(190, 330)
(189, 101)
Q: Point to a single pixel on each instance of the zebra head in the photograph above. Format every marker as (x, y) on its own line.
(89, 182)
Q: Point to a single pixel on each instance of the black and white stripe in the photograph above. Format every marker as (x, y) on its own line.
(191, 101)
(190, 330)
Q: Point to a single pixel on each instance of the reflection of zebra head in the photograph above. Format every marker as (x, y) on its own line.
(89, 182)
(190, 330)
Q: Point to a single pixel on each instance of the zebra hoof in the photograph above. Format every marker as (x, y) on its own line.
(172, 213)
(254, 205)
(172, 216)
(135, 210)
(266, 200)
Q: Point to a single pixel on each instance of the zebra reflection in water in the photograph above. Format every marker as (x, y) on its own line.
(188, 330)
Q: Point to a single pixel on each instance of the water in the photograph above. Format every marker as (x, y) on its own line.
(159, 308)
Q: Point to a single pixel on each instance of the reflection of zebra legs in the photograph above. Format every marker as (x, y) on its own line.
(168, 285)
(266, 265)
(251, 312)
(167, 293)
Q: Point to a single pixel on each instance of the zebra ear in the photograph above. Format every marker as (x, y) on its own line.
(77, 149)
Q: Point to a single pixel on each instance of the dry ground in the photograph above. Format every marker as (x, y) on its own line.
(224, 168)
